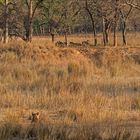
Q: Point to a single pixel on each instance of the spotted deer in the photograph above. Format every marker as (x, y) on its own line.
(60, 44)
(85, 43)
(73, 44)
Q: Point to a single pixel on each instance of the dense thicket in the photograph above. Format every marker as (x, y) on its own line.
(24, 18)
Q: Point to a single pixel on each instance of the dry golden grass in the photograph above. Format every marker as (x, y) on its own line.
(81, 94)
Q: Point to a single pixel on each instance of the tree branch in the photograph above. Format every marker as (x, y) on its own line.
(133, 5)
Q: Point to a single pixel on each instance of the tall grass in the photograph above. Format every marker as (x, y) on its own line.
(77, 93)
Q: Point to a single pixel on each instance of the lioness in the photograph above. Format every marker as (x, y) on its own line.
(35, 117)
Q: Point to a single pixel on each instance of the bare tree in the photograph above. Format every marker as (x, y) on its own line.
(104, 11)
(91, 15)
(131, 3)
(124, 17)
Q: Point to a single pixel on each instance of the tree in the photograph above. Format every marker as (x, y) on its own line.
(116, 4)
(134, 5)
(124, 13)
(31, 7)
(6, 22)
(70, 12)
(4, 4)
(105, 12)
(90, 7)
(59, 16)
(25, 18)
(52, 16)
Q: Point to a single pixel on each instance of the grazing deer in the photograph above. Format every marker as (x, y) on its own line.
(72, 44)
(85, 43)
(61, 44)
(35, 117)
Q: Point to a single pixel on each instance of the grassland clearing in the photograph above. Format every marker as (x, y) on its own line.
(80, 93)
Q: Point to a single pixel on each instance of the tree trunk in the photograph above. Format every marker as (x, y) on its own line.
(1, 34)
(124, 33)
(94, 33)
(93, 22)
(106, 28)
(115, 34)
(29, 28)
(52, 35)
(107, 36)
(66, 38)
(104, 34)
(6, 23)
(115, 23)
